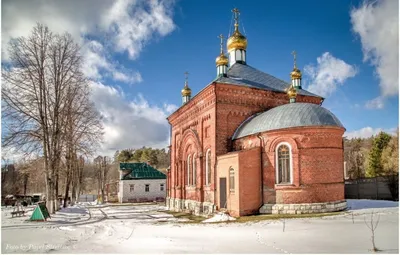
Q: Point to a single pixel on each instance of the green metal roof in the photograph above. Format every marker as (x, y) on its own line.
(140, 171)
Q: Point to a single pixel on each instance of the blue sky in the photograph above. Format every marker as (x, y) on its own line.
(137, 73)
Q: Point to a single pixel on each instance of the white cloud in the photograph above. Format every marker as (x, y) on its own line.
(170, 108)
(97, 65)
(126, 77)
(376, 103)
(122, 25)
(94, 60)
(130, 123)
(367, 132)
(156, 21)
(102, 28)
(329, 73)
(76, 17)
(377, 24)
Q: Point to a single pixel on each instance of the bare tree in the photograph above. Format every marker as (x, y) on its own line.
(44, 74)
(102, 165)
(83, 132)
(372, 225)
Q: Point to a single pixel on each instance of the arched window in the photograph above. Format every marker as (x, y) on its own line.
(188, 170)
(283, 164)
(194, 169)
(231, 179)
(208, 167)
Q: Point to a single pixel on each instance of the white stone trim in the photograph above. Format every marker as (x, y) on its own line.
(194, 170)
(188, 170)
(304, 208)
(207, 168)
(190, 206)
(277, 164)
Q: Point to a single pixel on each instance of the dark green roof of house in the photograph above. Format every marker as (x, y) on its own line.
(137, 171)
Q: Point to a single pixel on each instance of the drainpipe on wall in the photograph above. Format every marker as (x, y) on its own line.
(262, 167)
(215, 146)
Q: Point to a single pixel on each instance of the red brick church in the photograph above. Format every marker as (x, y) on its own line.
(251, 143)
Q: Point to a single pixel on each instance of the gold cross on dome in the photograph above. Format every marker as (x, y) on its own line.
(236, 13)
(294, 57)
(186, 76)
(222, 41)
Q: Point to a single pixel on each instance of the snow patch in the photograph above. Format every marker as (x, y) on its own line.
(219, 217)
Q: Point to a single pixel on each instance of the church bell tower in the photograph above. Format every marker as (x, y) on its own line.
(221, 61)
(237, 43)
(186, 91)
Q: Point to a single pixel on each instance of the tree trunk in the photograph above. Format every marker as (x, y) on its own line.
(57, 200)
(67, 183)
(73, 195)
(25, 183)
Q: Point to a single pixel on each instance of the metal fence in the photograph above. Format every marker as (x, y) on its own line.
(87, 198)
(369, 188)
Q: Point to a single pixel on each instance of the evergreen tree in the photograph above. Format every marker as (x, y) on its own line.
(390, 156)
(124, 156)
(137, 155)
(375, 155)
(158, 158)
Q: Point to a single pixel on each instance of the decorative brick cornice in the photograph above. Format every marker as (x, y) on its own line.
(204, 97)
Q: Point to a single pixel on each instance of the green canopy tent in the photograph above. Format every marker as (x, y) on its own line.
(40, 213)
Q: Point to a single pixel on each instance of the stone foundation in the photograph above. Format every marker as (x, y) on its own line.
(190, 206)
(303, 208)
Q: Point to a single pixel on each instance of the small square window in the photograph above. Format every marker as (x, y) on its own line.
(161, 187)
(147, 188)
(132, 187)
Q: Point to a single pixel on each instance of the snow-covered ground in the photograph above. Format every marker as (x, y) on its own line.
(147, 229)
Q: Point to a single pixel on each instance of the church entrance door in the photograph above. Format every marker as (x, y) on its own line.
(222, 192)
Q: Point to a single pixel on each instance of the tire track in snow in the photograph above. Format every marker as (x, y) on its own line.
(270, 245)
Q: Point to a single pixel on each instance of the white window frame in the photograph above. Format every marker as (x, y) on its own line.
(188, 170)
(277, 163)
(194, 170)
(145, 188)
(208, 182)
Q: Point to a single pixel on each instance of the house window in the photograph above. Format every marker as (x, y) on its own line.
(188, 170)
(194, 169)
(161, 187)
(132, 187)
(208, 167)
(284, 173)
(147, 188)
(231, 180)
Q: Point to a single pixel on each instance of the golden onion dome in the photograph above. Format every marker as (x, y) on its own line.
(295, 74)
(292, 93)
(237, 41)
(186, 91)
(221, 60)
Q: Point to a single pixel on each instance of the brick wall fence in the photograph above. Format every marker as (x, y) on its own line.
(371, 188)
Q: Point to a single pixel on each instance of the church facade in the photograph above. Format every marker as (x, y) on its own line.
(251, 143)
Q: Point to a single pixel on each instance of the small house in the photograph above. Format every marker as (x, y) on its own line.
(140, 182)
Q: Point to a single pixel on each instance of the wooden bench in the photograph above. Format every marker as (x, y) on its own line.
(17, 214)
